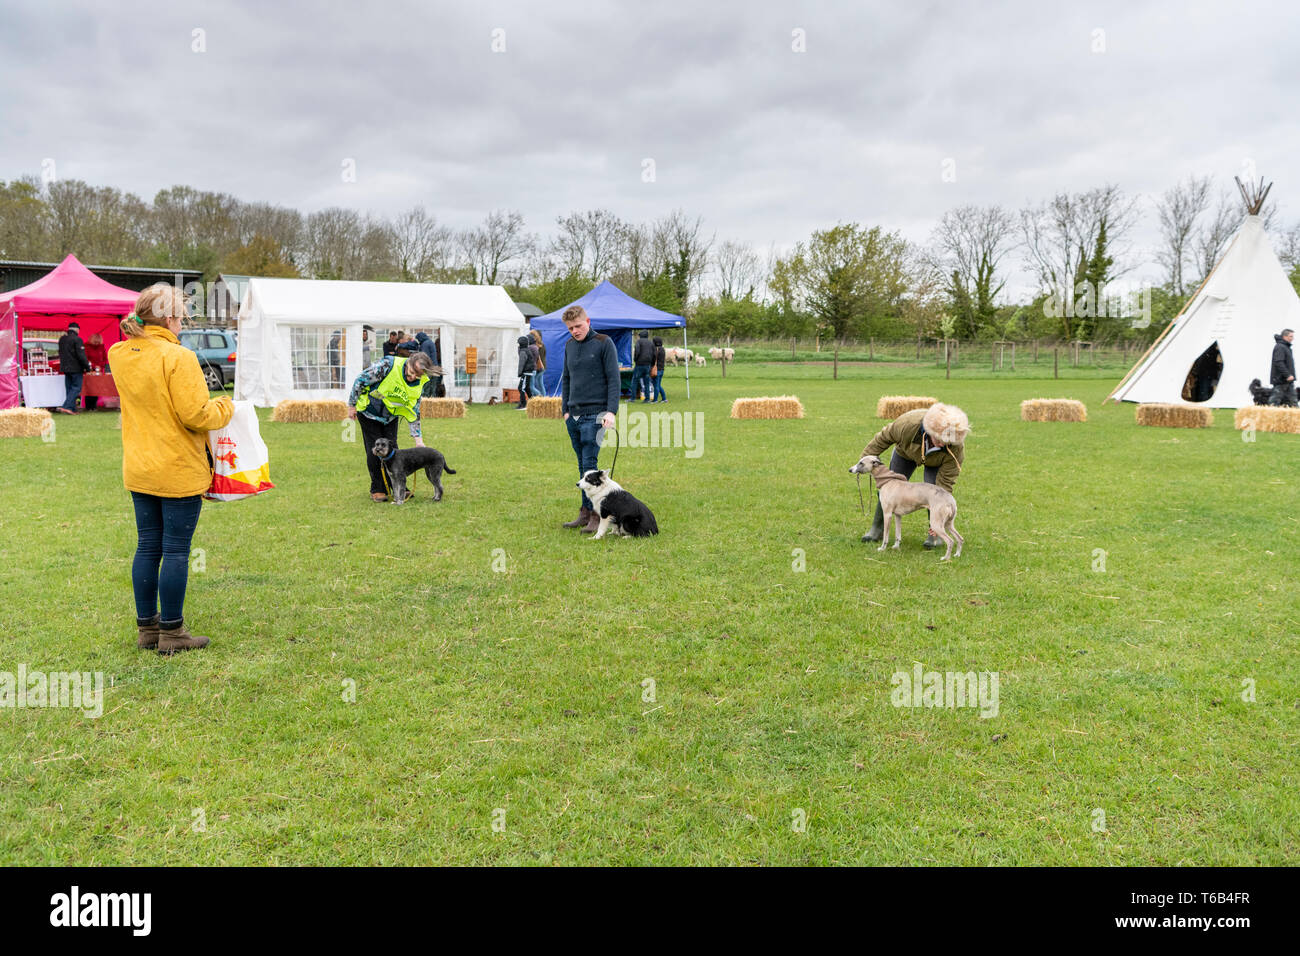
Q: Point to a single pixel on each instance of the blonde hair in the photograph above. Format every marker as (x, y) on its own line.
(947, 424)
(154, 306)
(574, 313)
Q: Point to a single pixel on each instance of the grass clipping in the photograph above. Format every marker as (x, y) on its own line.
(301, 410)
(25, 422)
(782, 406)
(891, 406)
(442, 408)
(1268, 418)
(544, 408)
(1174, 416)
(1053, 410)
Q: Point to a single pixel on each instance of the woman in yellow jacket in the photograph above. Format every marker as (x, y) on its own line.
(166, 414)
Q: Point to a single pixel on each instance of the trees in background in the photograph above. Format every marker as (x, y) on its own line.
(847, 280)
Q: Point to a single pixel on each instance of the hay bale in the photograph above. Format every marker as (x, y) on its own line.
(544, 408)
(782, 406)
(442, 408)
(25, 422)
(891, 406)
(1053, 410)
(1268, 418)
(315, 410)
(1174, 416)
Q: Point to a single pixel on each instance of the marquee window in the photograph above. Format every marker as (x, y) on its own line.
(318, 357)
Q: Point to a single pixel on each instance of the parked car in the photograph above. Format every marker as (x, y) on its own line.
(216, 349)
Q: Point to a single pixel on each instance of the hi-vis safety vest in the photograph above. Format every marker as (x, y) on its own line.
(399, 395)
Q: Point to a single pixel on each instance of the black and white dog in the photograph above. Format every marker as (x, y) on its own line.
(614, 506)
(400, 463)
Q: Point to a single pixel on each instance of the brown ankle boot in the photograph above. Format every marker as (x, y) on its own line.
(148, 639)
(592, 524)
(179, 639)
(584, 517)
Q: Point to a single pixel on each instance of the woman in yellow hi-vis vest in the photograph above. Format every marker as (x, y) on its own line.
(382, 394)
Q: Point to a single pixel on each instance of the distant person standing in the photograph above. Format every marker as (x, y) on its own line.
(643, 359)
(1281, 373)
(431, 348)
(657, 373)
(74, 364)
(366, 346)
(332, 354)
(589, 387)
(391, 345)
(527, 369)
(540, 361)
(98, 356)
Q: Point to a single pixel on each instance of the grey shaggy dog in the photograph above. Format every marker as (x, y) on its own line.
(399, 463)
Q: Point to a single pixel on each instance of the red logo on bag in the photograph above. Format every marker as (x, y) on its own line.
(229, 458)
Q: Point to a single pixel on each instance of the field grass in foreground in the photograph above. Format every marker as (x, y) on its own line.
(1122, 735)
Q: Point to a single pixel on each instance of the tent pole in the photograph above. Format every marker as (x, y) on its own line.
(688, 363)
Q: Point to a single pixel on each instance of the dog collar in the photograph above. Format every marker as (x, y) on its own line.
(389, 455)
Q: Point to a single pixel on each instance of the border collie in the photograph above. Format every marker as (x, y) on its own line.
(616, 507)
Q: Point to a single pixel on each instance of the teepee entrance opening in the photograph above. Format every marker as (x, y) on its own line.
(1203, 376)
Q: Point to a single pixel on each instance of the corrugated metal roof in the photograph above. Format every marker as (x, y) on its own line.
(143, 270)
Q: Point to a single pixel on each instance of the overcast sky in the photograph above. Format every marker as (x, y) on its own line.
(765, 142)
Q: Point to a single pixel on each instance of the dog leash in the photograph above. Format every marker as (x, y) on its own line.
(862, 504)
(616, 447)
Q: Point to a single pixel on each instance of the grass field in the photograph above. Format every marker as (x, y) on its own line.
(506, 716)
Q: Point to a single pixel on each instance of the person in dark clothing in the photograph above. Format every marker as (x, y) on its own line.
(589, 387)
(643, 359)
(391, 345)
(433, 349)
(332, 354)
(1281, 373)
(541, 361)
(74, 364)
(98, 356)
(657, 373)
(527, 369)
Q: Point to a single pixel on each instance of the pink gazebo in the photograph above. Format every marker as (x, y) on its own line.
(69, 293)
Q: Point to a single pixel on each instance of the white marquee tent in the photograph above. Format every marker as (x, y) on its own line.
(1242, 304)
(302, 338)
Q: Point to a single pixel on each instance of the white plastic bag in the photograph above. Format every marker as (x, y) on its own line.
(241, 467)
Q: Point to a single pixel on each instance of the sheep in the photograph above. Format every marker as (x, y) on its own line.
(699, 360)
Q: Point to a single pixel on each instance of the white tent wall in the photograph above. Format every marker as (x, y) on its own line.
(1245, 302)
(273, 308)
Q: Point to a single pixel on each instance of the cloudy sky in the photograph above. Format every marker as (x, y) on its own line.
(555, 107)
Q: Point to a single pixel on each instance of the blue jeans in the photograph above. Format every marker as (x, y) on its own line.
(72, 383)
(164, 528)
(658, 394)
(583, 432)
(641, 377)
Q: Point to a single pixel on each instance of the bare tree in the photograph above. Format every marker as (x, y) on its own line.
(737, 269)
(590, 243)
(421, 247)
(1179, 209)
(499, 241)
(1062, 238)
(968, 244)
(677, 242)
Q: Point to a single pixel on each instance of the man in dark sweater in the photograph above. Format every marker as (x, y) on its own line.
(1282, 370)
(643, 359)
(589, 388)
(73, 364)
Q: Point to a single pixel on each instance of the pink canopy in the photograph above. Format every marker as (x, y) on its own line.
(69, 293)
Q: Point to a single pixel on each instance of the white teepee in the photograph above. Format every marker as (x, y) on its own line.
(1241, 305)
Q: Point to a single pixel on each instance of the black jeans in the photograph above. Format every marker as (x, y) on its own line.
(370, 430)
(164, 529)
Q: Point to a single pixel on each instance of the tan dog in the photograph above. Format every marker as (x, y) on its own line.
(899, 497)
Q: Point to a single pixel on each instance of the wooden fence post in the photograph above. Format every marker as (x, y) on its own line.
(1056, 360)
(836, 373)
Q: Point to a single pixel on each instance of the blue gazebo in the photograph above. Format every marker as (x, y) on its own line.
(613, 312)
